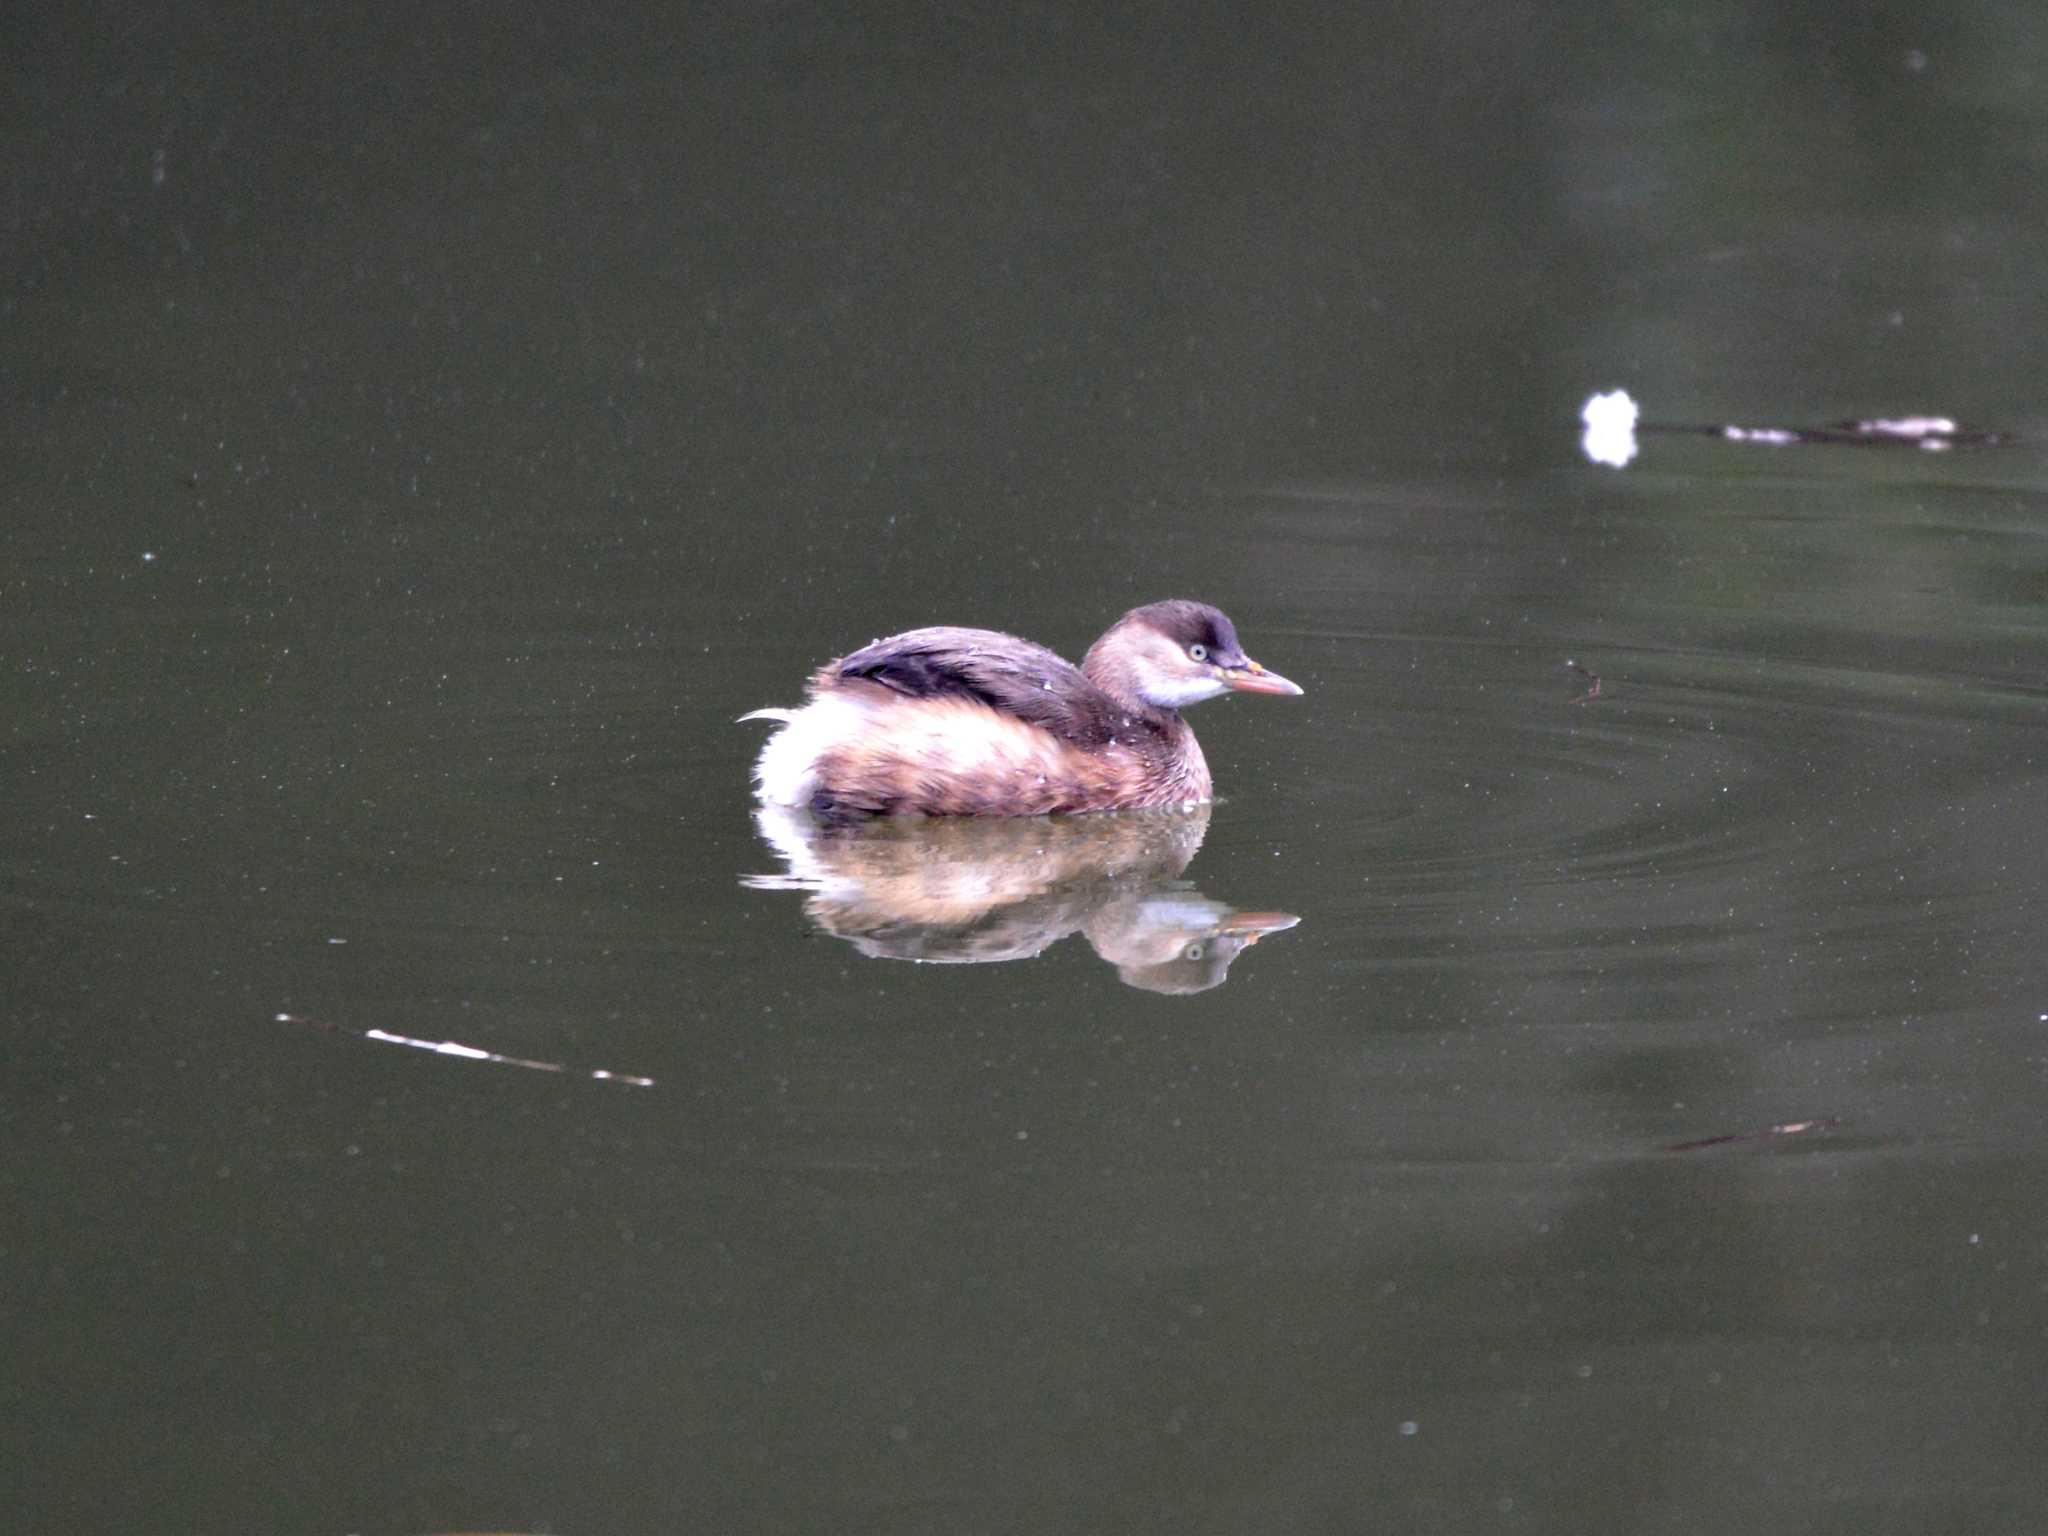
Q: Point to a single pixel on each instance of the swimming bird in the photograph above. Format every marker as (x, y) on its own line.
(972, 722)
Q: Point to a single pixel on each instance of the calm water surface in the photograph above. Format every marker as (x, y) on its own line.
(1518, 1104)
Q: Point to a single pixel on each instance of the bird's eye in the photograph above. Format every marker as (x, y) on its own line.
(1199, 651)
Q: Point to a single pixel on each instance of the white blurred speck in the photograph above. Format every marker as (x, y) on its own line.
(1610, 435)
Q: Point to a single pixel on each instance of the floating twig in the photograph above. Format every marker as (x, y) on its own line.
(1789, 1128)
(1930, 434)
(1612, 421)
(468, 1052)
(1592, 682)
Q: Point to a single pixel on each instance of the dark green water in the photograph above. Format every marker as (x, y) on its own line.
(427, 434)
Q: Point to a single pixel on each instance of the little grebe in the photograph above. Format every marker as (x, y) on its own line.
(969, 722)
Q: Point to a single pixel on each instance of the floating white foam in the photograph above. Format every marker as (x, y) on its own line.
(1610, 435)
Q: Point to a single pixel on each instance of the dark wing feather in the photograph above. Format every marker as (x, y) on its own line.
(1003, 672)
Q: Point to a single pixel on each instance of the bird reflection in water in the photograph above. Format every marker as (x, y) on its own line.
(968, 891)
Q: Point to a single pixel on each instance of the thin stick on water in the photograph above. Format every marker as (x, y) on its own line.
(467, 1052)
(1932, 434)
(1789, 1128)
(1613, 421)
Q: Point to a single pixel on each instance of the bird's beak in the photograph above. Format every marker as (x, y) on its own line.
(1253, 678)
(1253, 926)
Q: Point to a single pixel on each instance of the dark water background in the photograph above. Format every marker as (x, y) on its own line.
(428, 429)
